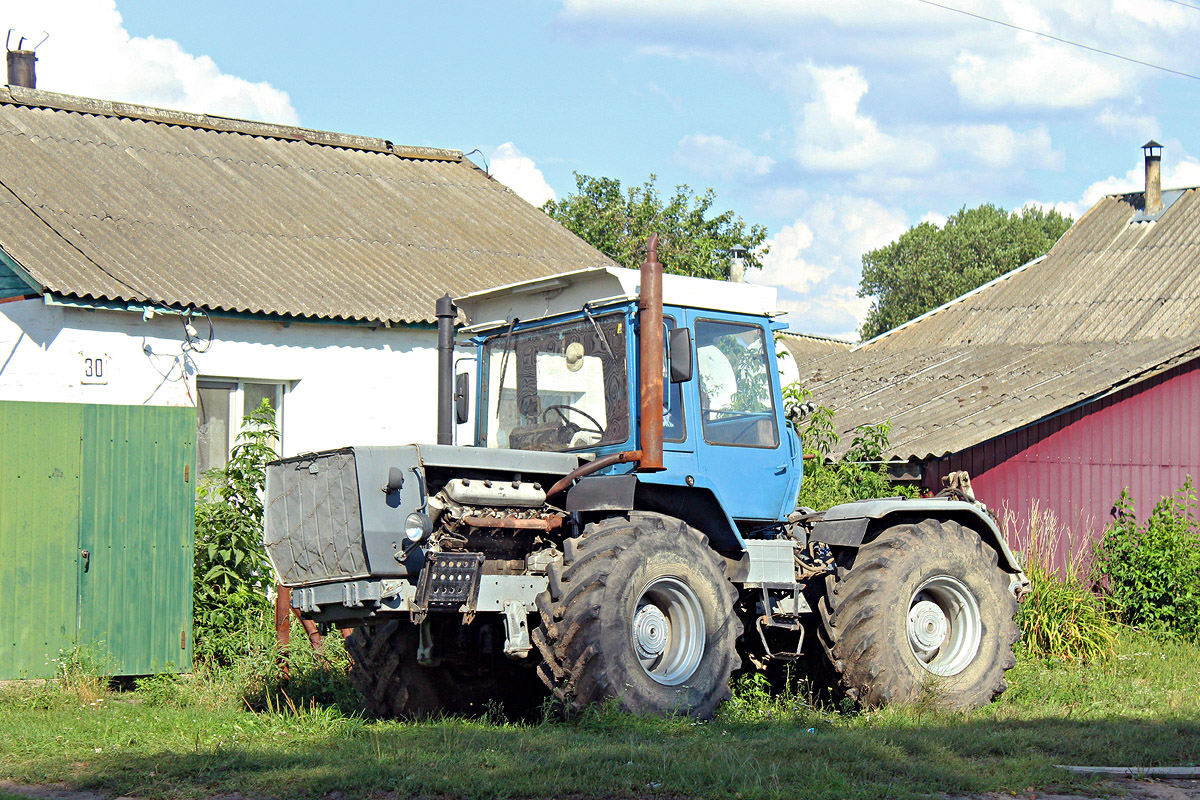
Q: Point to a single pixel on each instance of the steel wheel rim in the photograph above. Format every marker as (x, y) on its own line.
(668, 631)
(944, 626)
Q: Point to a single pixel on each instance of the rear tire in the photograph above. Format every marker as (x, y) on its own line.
(924, 613)
(640, 612)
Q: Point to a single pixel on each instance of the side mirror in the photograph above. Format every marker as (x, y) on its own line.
(462, 402)
(680, 353)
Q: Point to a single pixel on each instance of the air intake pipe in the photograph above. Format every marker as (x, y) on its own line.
(447, 313)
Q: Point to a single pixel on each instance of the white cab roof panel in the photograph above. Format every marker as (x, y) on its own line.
(568, 291)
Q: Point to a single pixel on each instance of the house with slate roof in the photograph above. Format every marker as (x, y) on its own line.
(1063, 381)
(163, 272)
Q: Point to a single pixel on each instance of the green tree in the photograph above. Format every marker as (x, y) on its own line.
(693, 239)
(928, 266)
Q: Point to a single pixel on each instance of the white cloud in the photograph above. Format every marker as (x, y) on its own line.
(90, 53)
(785, 264)
(1037, 75)
(815, 262)
(518, 172)
(716, 157)
(838, 312)
(1120, 123)
(834, 136)
(999, 146)
(935, 218)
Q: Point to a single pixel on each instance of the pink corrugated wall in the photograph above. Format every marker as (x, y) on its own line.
(1146, 438)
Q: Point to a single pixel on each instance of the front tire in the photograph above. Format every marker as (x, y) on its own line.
(641, 612)
(925, 611)
(394, 683)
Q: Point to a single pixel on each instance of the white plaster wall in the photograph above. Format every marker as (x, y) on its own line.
(344, 384)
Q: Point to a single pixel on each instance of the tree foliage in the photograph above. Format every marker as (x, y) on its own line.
(930, 265)
(231, 573)
(693, 238)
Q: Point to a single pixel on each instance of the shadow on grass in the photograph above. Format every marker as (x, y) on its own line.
(607, 756)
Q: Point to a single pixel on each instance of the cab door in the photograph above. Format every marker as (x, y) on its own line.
(741, 448)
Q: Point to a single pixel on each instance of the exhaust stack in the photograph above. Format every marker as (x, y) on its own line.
(650, 321)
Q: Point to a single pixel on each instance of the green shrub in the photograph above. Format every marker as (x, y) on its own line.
(1061, 619)
(1152, 572)
(859, 474)
(231, 573)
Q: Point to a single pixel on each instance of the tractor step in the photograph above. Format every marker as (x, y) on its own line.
(448, 582)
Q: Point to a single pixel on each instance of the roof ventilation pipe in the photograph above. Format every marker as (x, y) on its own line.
(1153, 202)
(22, 63)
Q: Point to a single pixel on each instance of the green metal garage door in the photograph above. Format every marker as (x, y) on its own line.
(96, 511)
(39, 536)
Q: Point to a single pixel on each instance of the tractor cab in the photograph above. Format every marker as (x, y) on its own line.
(559, 369)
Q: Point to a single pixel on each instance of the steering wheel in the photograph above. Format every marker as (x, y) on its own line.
(561, 409)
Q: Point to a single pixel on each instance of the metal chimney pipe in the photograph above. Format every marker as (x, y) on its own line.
(650, 323)
(1153, 202)
(447, 313)
(22, 68)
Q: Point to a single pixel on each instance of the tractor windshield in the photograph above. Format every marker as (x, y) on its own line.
(562, 387)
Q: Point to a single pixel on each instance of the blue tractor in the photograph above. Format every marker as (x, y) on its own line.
(622, 523)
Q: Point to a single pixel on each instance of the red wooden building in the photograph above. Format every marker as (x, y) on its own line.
(1062, 382)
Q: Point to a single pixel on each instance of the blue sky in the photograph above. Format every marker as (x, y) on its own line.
(837, 125)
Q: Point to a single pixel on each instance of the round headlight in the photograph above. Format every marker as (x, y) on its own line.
(417, 526)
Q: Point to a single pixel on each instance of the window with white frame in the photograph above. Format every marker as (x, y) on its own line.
(221, 403)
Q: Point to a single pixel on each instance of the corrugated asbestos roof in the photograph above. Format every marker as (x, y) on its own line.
(804, 346)
(111, 201)
(1115, 301)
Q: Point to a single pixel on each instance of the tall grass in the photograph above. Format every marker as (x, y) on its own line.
(1061, 619)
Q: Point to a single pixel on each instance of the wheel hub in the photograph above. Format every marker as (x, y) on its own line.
(945, 627)
(667, 630)
(927, 626)
(651, 631)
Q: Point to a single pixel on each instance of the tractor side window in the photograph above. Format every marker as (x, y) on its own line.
(736, 403)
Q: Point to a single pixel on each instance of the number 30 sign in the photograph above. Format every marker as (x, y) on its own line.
(95, 368)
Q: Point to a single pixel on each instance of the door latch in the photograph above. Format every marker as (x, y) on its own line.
(87, 559)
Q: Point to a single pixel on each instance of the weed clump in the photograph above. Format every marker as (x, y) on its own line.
(1061, 619)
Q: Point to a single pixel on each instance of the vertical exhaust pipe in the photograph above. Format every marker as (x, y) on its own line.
(447, 313)
(650, 322)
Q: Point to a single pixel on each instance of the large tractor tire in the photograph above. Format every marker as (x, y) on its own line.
(924, 613)
(640, 612)
(394, 684)
(384, 669)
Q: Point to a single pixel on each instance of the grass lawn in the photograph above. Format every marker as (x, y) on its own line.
(1139, 708)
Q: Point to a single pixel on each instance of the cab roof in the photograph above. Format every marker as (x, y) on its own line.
(569, 291)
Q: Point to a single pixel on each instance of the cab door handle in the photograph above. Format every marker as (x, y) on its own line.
(87, 559)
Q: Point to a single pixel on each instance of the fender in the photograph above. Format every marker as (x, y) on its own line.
(850, 524)
(696, 505)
